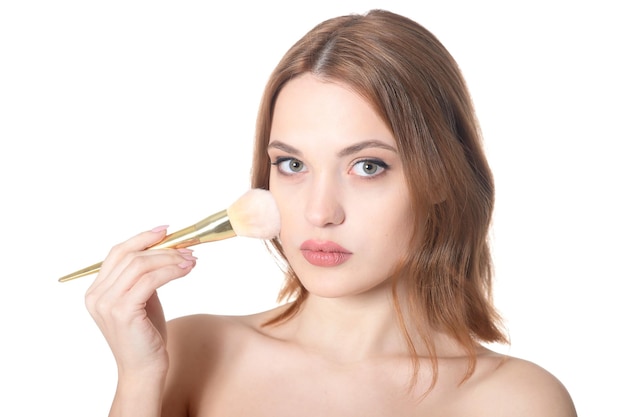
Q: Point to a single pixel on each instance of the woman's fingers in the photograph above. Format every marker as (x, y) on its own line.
(140, 242)
(137, 276)
(150, 270)
(124, 303)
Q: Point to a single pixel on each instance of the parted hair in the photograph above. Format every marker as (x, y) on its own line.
(418, 90)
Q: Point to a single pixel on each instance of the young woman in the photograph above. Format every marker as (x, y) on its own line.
(367, 140)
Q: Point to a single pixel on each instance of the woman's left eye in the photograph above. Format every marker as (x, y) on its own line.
(289, 165)
(369, 168)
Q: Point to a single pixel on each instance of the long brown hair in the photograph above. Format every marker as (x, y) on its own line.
(416, 87)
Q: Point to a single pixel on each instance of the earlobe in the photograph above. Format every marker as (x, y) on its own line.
(435, 196)
(439, 194)
(439, 198)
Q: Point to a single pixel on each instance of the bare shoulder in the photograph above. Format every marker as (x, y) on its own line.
(211, 336)
(517, 387)
(199, 346)
(186, 331)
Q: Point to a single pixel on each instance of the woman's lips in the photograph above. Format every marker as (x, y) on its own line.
(325, 254)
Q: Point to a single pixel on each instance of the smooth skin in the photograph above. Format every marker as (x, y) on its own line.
(336, 177)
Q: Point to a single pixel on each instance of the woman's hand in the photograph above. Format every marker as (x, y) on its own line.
(124, 303)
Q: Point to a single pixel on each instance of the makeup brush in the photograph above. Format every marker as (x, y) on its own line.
(254, 215)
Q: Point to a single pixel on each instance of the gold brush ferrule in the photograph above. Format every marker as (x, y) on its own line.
(213, 228)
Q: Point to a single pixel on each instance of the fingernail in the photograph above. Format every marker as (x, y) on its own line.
(159, 228)
(186, 264)
(184, 250)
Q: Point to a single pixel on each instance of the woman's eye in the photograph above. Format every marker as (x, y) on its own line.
(369, 168)
(289, 165)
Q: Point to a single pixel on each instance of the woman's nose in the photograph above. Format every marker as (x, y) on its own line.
(324, 206)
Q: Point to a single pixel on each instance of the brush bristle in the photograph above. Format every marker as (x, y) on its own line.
(255, 214)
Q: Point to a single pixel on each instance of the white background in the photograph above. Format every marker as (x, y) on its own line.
(119, 116)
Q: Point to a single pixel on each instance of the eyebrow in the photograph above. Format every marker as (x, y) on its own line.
(282, 146)
(357, 147)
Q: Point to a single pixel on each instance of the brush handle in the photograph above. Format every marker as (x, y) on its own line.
(214, 227)
(82, 272)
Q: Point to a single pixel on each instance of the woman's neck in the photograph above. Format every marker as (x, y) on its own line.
(361, 327)
(349, 329)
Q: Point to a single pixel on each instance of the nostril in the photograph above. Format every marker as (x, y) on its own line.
(325, 213)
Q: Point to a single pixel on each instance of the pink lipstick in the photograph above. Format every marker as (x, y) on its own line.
(325, 253)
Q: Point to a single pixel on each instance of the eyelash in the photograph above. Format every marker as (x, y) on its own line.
(377, 162)
(280, 160)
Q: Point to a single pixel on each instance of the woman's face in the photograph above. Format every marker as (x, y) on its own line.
(338, 180)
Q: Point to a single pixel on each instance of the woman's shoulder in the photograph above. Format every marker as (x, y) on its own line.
(521, 387)
(215, 332)
(202, 347)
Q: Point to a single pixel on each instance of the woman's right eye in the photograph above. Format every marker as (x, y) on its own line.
(289, 165)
